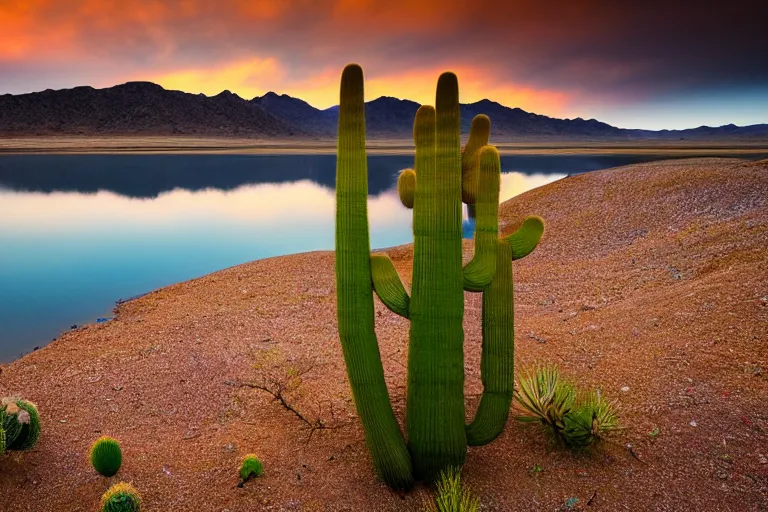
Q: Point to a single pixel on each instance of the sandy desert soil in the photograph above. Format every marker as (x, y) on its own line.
(651, 283)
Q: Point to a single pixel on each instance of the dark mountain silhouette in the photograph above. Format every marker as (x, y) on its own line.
(384, 116)
(515, 121)
(298, 113)
(144, 108)
(705, 132)
(135, 108)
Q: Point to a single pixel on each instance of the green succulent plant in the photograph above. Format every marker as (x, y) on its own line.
(544, 397)
(121, 497)
(437, 436)
(21, 424)
(106, 456)
(451, 495)
(590, 422)
(572, 421)
(250, 468)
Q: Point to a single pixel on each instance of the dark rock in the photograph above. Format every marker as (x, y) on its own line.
(144, 108)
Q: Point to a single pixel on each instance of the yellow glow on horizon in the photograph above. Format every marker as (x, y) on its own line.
(239, 78)
(256, 76)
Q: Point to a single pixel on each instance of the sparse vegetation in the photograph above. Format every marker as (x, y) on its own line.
(20, 424)
(283, 381)
(451, 495)
(250, 468)
(106, 456)
(121, 497)
(574, 419)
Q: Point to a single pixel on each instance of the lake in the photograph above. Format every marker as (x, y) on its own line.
(79, 232)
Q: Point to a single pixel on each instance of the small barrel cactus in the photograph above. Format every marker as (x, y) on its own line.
(121, 497)
(251, 467)
(21, 424)
(106, 456)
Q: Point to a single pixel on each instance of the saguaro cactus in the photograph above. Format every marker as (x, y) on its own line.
(354, 294)
(435, 416)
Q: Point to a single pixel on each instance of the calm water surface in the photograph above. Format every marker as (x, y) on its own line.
(78, 232)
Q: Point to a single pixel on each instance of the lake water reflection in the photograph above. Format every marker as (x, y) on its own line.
(78, 232)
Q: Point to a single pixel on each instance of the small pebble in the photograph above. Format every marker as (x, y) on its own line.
(692, 423)
(625, 389)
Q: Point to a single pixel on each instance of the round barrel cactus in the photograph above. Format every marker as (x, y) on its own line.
(251, 467)
(121, 497)
(106, 456)
(21, 424)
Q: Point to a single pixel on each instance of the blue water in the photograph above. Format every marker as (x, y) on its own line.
(79, 232)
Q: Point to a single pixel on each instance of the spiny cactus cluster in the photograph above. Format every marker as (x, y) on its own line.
(122, 497)
(573, 419)
(106, 456)
(437, 436)
(19, 425)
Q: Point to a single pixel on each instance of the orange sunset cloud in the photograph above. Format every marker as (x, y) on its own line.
(587, 58)
(254, 77)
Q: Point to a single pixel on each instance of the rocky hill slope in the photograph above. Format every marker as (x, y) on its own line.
(650, 283)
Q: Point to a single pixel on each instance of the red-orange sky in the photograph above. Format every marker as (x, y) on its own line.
(634, 64)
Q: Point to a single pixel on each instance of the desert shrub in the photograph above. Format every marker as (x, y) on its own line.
(251, 467)
(21, 424)
(590, 421)
(573, 419)
(451, 495)
(106, 456)
(121, 497)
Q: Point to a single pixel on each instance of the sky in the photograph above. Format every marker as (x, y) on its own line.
(633, 64)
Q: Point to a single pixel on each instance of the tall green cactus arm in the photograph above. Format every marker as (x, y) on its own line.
(354, 295)
(479, 272)
(406, 187)
(497, 360)
(479, 134)
(435, 406)
(387, 284)
(526, 238)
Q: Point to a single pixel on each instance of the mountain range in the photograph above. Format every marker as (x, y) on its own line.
(145, 108)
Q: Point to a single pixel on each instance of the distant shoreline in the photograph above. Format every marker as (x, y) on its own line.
(244, 146)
